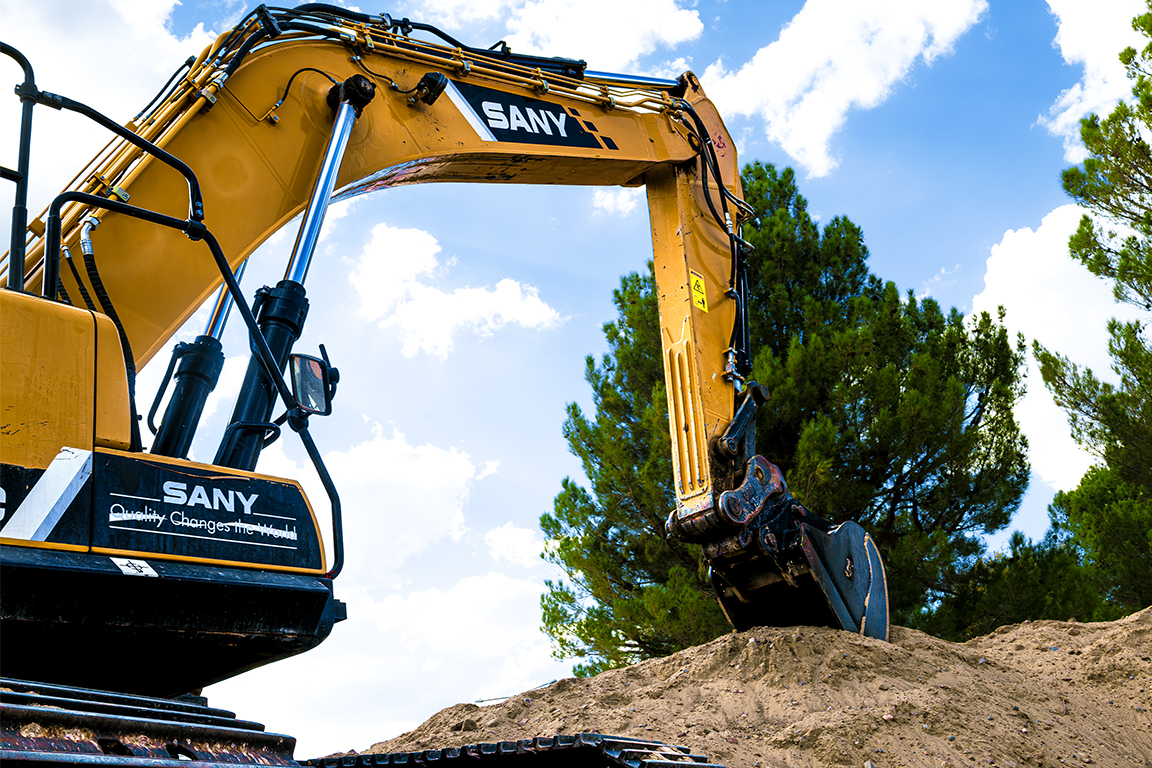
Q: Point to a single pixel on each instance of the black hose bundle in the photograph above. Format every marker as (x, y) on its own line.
(129, 359)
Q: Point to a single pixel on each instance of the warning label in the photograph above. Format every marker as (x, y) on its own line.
(699, 299)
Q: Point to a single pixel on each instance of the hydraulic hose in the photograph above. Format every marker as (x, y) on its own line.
(335, 10)
(242, 51)
(79, 282)
(186, 65)
(740, 341)
(61, 291)
(105, 301)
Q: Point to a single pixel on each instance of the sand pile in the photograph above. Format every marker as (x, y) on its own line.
(1043, 693)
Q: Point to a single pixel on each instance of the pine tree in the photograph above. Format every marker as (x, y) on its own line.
(1109, 516)
(883, 410)
(1109, 521)
(1031, 581)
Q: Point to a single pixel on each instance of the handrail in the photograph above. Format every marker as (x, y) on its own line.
(27, 92)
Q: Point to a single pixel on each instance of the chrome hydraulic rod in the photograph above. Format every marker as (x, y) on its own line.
(636, 81)
(219, 317)
(310, 228)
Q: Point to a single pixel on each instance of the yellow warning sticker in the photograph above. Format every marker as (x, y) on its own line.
(699, 299)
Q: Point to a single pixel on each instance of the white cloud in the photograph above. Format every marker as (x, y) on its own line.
(427, 318)
(1056, 301)
(279, 235)
(144, 17)
(145, 55)
(415, 617)
(937, 281)
(478, 638)
(670, 70)
(504, 652)
(516, 545)
(454, 14)
(391, 260)
(621, 200)
(833, 56)
(410, 496)
(608, 34)
(1091, 35)
(335, 212)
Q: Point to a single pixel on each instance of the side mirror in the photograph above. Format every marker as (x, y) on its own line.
(311, 384)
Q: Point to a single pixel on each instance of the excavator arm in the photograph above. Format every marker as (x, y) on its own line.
(279, 116)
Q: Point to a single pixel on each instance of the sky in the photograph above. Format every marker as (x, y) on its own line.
(940, 128)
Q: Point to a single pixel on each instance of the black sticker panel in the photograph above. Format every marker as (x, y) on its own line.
(186, 511)
(72, 527)
(514, 118)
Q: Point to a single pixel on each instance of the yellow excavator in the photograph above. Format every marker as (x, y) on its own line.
(114, 561)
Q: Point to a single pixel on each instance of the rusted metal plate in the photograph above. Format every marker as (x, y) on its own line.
(49, 724)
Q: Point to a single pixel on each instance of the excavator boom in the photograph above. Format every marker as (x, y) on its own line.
(107, 549)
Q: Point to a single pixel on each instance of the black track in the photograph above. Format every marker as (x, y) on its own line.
(54, 725)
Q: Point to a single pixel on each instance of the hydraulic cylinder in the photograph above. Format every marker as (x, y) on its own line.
(282, 309)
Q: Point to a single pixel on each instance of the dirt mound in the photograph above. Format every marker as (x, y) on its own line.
(1044, 693)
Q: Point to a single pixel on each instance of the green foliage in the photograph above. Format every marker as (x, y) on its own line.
(883, 410)
(1113, 421)
(633, 593)
(904, 423)
(1110, 521)
(1043, 580)
(1108, 515)
(1115, 183)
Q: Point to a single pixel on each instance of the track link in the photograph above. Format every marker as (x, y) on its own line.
(43, 724)
(583, 750)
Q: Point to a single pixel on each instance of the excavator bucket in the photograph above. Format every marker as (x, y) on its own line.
(846, 565)
(832, 578)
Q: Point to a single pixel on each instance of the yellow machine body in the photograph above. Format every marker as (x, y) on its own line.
(252, 119)
(63, 381)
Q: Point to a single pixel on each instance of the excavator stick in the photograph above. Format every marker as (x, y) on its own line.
(729, 499)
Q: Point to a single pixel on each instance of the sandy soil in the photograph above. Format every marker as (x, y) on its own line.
(1043, 693)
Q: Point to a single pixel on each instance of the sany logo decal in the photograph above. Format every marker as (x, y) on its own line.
(502, 116)
(515, 119)
(176, 493)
